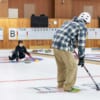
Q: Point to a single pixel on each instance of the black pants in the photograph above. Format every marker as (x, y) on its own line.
(15, 56)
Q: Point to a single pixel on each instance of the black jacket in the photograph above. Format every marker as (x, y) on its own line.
(21, 51)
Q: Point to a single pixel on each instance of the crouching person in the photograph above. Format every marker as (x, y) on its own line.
(19, 52)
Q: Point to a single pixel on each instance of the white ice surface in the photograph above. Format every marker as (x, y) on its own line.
(18, 80)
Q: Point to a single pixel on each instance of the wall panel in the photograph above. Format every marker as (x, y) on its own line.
(20, 23)
(41, 6)
(63, 8)
(78, 7)
(4, 8)
(52, 8)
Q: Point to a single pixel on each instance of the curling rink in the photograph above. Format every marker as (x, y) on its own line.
(37, 80)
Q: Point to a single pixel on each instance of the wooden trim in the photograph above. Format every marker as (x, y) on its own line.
(20, 23)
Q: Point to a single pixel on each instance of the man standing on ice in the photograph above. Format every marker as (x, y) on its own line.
(72, 34)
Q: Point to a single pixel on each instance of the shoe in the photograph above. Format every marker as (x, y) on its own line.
(10, 58)
(73, 90)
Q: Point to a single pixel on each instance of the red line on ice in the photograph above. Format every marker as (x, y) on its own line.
(40, 79)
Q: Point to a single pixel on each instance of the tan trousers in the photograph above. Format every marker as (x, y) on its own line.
(67, 69)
